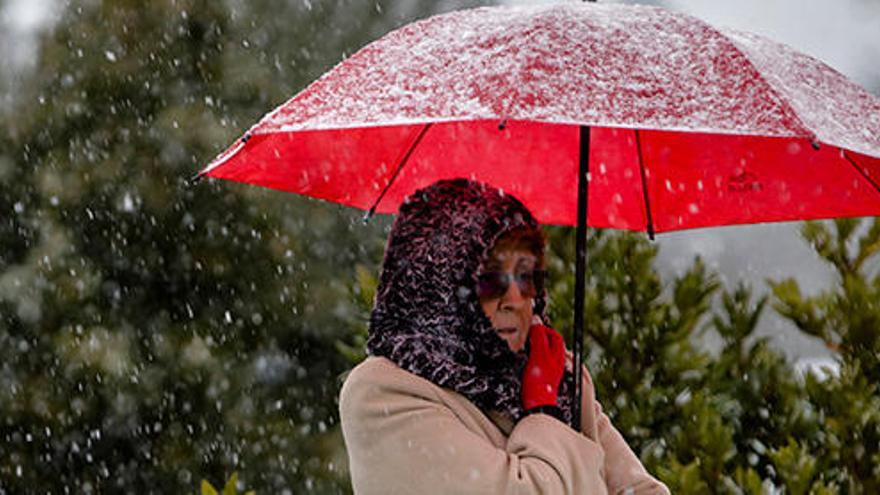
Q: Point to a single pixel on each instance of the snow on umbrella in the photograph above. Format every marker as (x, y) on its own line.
(663, 121)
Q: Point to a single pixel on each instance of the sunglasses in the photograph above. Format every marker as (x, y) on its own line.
(492, 285)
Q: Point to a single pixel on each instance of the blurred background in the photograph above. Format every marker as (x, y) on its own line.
(154, 334)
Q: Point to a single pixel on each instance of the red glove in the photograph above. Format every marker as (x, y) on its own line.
(544, 369)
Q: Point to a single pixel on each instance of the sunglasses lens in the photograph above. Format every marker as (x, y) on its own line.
(527, 284)
(491, 285)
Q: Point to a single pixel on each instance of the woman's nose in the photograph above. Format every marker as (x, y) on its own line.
(512, 298)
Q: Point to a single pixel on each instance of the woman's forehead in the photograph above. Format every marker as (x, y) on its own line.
(511, 256)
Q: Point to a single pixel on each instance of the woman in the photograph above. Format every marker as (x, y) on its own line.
(465, 391)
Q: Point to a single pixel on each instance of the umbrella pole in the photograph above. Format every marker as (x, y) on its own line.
(580, 271)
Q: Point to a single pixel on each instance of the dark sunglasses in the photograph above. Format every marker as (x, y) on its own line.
(492, 285)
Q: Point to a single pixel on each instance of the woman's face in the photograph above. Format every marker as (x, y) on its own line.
(506, 290)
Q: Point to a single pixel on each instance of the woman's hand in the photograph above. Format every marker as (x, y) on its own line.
(544, 368)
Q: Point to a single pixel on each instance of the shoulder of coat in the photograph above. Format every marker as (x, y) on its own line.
(381, 375)
(378, 366)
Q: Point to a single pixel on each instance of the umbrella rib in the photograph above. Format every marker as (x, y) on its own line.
(401, 163)
(225, 157)
(783, 103)
(644, 186)
(862, 172)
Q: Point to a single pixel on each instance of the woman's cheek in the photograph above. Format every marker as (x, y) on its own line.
(521, 338)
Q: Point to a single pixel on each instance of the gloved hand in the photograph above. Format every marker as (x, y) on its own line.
(544, 369)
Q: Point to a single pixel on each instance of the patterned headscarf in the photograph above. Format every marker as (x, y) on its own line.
(427, 316)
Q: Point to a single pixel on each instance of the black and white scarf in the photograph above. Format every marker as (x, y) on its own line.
(427, 316)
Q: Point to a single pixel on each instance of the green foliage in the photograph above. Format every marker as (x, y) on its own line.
(796, 466)
(640, 339)
(685, 479)
(152, 333)
(230, 488)
(363, 292)
(739, 420)
(847, 319)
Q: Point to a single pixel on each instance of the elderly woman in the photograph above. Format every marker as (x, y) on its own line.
(465, 390)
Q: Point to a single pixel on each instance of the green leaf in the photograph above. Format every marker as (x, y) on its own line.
(684, 479)
(749, 481)
(231, 487)
(207, 489)
(795, 467)
(804, 312)
(869, 244)
(366, 284)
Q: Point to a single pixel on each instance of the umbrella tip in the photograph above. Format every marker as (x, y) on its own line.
(195, 179)
(502, 125)
(368, 215)
(815, 144)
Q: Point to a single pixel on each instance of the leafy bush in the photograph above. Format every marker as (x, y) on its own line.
(741, 420)
(230, 488)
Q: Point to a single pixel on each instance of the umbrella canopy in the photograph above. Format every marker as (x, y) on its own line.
(691, 126)
(663, 121)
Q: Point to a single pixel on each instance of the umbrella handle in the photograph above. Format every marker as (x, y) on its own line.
(580, 272)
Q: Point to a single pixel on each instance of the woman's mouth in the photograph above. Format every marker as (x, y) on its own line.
(506, 331)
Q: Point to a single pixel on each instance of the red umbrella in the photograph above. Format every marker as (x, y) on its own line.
(665, 122)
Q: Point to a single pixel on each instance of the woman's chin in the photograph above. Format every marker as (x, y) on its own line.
(512, 337)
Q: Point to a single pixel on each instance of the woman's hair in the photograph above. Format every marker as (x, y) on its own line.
(525, 237)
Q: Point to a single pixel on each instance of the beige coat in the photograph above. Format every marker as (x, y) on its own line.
(405, 434)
